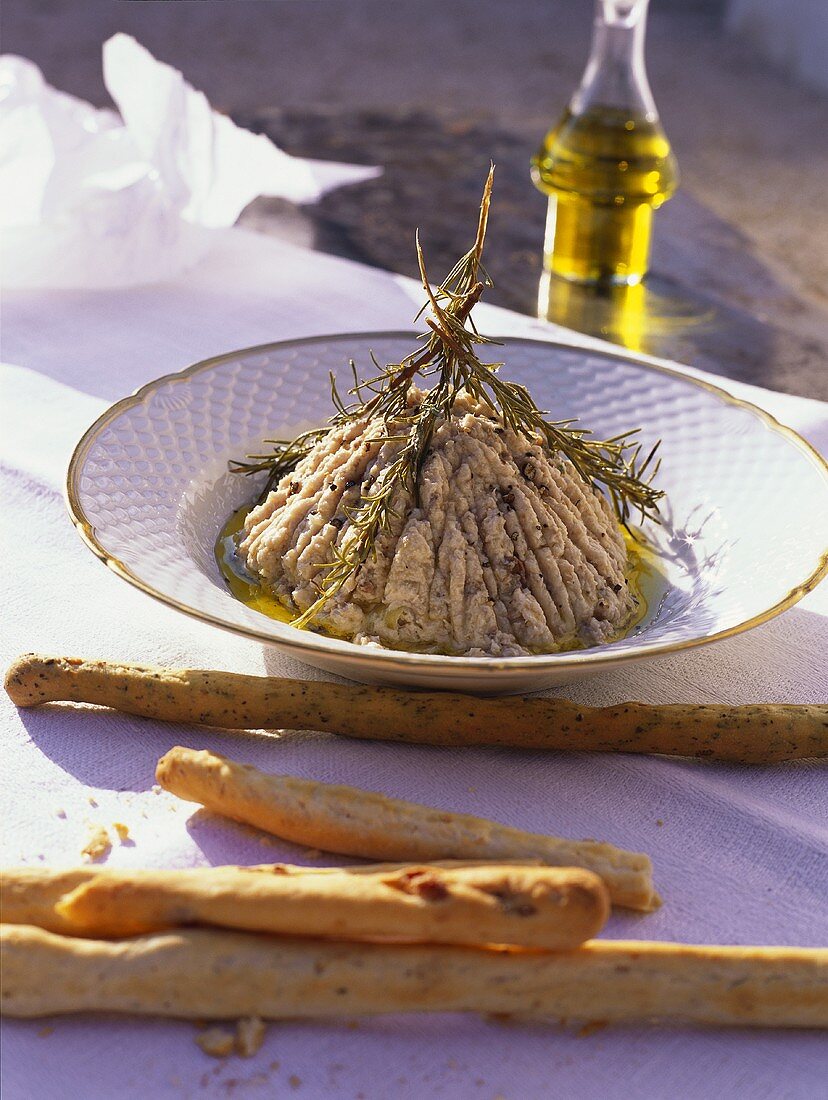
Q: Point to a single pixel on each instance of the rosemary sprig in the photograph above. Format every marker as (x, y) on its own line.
(450, 355)
(285, 456)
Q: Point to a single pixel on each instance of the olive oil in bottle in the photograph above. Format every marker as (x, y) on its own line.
(607, 165)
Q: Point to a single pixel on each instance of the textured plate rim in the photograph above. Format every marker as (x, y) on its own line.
(595, 658)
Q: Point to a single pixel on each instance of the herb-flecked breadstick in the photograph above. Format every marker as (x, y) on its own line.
(525, 906)
(762, 733)
(363, 823)
(205, 973)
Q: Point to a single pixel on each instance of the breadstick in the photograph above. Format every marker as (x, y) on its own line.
(205, 973)
(362, 823)
(762, 733)
(31, 895)
(524, 906)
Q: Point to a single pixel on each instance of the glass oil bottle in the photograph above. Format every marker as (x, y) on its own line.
(607, 165)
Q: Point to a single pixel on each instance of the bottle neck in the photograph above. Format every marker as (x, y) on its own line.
(615, 75)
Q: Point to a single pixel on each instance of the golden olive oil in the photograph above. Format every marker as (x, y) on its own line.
(605, 170)
(244, 587)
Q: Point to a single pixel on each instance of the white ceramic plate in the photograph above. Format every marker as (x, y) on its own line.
(744, 536)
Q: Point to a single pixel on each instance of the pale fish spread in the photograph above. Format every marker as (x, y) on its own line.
(506, 551)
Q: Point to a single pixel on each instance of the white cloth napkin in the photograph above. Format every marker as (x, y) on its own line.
(741, 855)
(90, 198)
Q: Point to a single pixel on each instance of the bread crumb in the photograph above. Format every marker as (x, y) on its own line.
(659, 822)
(60, 812)
(217, 1042)
(46, 1031)
(250, 1033)
(97, 846)
(122, 830)
(294, 1081)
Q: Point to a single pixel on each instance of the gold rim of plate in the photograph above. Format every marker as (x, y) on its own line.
(596, 656)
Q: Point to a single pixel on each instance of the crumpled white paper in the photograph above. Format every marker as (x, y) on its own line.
(90, 198)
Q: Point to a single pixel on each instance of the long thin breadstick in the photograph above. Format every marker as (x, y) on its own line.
(201, 973)
(31, 895)
(362, 823)
(524, 906)
(755, 734)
